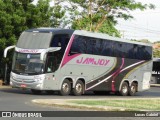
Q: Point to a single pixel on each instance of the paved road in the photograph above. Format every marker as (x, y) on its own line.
(20, 100)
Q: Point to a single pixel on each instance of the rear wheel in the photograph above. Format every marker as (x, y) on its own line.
(133, 89)
(36, 92)
(124, 89)
(79, 88)
(65, 88)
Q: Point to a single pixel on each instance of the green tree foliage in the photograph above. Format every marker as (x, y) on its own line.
(156, 50)
(19, 15)
(58, 16)
(100, 15)
(156, 53)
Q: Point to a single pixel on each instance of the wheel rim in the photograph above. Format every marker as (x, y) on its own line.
(124, 89)
(133, 89)
(65, 87)
(79, 88)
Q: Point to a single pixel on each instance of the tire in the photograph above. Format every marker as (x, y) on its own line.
(79, 88)
(65, 88)
(133, 89)
(36, 92)
(124, 89)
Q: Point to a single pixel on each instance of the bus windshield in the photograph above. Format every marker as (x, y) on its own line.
(26, 63)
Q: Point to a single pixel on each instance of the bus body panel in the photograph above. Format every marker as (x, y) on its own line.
(104, 69)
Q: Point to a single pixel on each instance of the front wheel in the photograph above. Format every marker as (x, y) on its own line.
(124, 89)
(79, 88)
(65, 88)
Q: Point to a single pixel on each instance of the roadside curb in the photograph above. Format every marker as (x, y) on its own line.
(155, 85)
(5, 86)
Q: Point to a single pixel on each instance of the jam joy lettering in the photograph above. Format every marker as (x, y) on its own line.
(93, 61)
(28, 51)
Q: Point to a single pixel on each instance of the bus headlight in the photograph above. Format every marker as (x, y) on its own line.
(13, 77)
(38, 78)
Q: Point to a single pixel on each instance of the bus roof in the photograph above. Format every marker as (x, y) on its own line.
(39, 38)
(50, 30)
(106, 36)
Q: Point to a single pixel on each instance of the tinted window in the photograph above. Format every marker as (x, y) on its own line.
(60, 41)
(88, 45)
(108, 48)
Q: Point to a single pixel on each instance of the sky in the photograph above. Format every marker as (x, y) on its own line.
(145, 25)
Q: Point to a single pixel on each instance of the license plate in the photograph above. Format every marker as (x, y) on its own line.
(23, 86)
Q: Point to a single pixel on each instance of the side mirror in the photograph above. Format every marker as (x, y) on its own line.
(6, 50)
(51, 49)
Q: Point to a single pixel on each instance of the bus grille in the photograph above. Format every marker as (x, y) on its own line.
(24, 80)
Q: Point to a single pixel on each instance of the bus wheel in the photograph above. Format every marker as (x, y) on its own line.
(124, 89)
(65, 88)
(79, 88)
(133, 89)
(36, 92)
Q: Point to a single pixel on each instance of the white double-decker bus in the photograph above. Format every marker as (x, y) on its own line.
(47, 60)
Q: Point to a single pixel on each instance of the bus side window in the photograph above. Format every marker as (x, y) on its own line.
(75, 46)
(64, 41)
(79, 45)
(115, 49)
(133, 51)
(52, 62)
(60, 41)
(145, 55)
(83, 44)
(91, 46)
(107, 48)
(56, 41)
(98, 48)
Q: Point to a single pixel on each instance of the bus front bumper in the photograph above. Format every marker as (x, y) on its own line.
(23, 85)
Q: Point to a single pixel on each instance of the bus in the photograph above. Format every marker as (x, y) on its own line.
(73, 62)
(156, 71)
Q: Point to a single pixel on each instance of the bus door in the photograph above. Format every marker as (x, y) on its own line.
(54, 59)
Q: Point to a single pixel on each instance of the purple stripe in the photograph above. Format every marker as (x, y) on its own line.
(114, 74)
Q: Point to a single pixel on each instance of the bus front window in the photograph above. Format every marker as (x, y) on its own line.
(27, 63)
(35, 66)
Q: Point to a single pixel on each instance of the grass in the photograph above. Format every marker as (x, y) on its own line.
(135, 104)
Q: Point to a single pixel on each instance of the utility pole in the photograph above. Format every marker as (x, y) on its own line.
(122, 33)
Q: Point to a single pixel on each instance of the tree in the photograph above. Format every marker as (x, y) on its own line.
(19, 15)
(58, 16)
(156, 53)
(100, 15)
